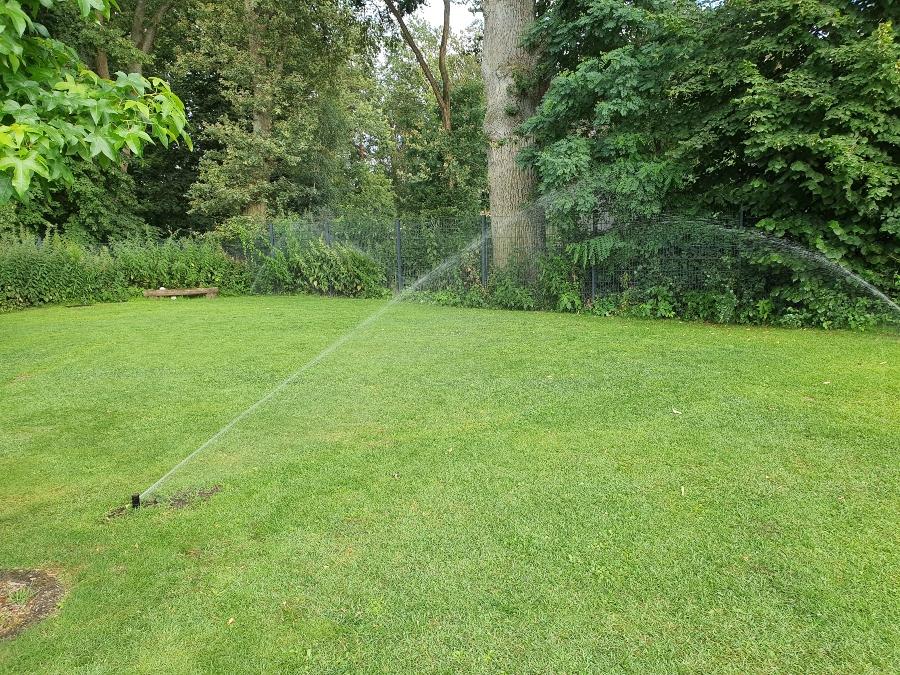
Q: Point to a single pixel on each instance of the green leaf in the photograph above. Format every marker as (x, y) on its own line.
(23, 169)
(101, 145)
(6, 189)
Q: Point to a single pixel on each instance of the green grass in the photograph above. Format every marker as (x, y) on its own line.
(452, 490)
(20, 596)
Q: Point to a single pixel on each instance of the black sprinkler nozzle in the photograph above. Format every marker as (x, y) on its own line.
(135, 501)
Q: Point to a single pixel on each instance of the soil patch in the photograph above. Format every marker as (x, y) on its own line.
(187, 497)
(117, 512)
(26, 597)
(179, 500)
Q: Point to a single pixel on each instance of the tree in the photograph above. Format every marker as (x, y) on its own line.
(511, 94)
(130, 32)
(436, 174)
(145, 23)
(289, 140)
(55, 109)
(440, 90)
(789, 110)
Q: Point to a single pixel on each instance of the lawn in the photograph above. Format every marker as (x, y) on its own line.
(451, 490)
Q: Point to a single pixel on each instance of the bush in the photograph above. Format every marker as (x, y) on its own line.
(180, 263)
(560, 284)
(508, 291)
(34, 272)
(316, 267)
(56, 271)
(702, 270)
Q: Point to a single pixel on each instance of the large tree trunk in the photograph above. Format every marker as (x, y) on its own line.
(517, 228)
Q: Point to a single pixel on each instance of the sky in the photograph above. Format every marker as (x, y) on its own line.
(460, 16)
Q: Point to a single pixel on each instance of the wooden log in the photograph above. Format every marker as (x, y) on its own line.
(174, 292)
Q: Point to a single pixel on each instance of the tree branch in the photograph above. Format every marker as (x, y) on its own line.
(443, 103)
(137, 22)
(442, 65)
(151, 30)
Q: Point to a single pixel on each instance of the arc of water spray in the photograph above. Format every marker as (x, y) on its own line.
(293, 376)
(439, 269)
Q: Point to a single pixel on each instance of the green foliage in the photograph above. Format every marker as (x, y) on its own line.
(180, 263)
(62, 271)
(99, 205)
(559, 284)
(509, 292)
(315, 267)
(300, 130)
(435, 174)
(59, 270)
(700, 271)
(811, 307)
(55, 109)
(56, 272)
(787, 109)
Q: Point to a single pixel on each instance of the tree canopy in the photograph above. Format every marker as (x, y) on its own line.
(788, 110)
(56, 110)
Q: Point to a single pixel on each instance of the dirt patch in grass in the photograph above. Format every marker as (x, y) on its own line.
(187, 497)
(179, 500)
(117, 512)
(26, 597)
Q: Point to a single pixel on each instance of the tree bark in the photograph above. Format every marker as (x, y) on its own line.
(517, 228)
(442, 67)
(101, 58)
(143, 33)
(101, 61)
(137, 34)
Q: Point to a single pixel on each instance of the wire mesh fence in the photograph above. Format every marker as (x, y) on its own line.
(603, 257)
(718, 269)
(619, 253)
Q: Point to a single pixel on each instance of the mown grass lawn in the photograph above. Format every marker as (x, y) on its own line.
(452, 490)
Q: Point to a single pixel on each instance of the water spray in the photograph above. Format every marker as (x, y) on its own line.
(137, 499)
(545, 200)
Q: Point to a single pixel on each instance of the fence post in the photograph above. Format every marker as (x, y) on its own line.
(328, 231)
(741, 217)
(593, 266)
(399, 256)
(484, 250)
(271, 234)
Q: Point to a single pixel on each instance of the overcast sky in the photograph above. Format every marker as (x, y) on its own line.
(460, 17)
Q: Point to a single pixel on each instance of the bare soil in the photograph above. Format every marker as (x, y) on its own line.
(187, 497)
(179, 500)
(26, 597)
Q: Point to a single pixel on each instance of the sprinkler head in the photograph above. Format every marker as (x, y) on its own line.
(135, 501)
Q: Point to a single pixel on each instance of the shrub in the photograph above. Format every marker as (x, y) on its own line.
(34, 272)
(560, 284)
(56, 271)
(180, 263)
(508, 291)
(316, 267)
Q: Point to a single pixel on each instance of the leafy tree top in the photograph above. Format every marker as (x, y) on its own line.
(55, 110)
